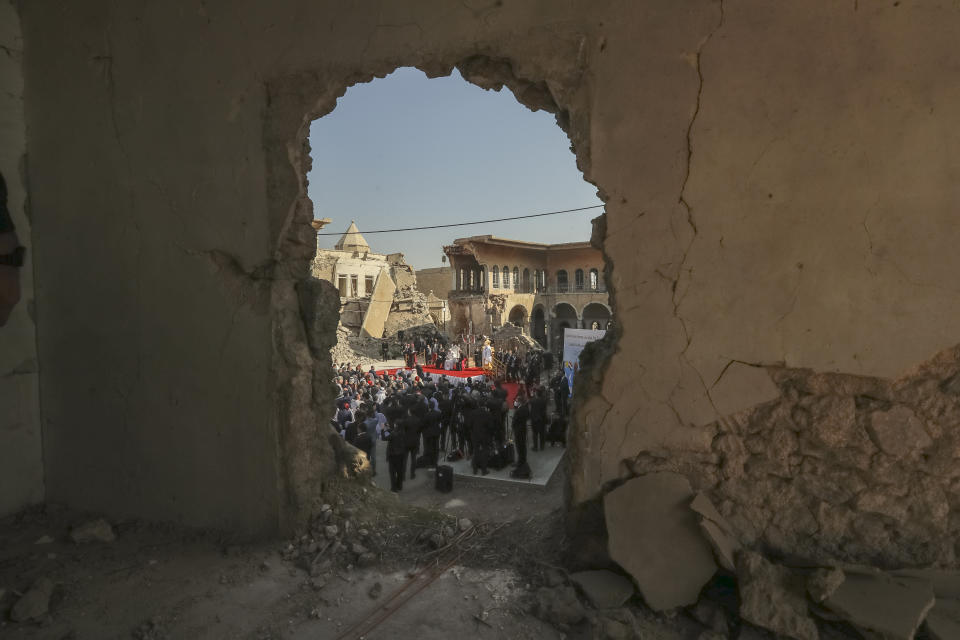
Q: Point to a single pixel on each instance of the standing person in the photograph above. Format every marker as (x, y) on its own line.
(384, 350)
(431, 436)
(371, 426)
(365, 442)
(538, 419)
(11, 259)
(344, 418)
(480, 426)
(411, 428)
(521, 415)
(396, 454)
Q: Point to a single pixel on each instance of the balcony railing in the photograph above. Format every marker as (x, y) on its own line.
(543, 290)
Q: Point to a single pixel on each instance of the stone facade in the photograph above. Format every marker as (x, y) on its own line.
(542, 288)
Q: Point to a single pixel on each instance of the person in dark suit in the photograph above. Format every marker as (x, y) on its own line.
(538, 418)
(396, 453)
(480, 426)
(521, 415)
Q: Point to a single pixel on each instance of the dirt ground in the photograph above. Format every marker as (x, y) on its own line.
(159, 581)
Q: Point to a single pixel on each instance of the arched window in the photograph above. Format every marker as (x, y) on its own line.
(496, 278)
(594, 280)
(526, 281)
(542, 282)
(506, 277)
(516, 278)
(561, 281)
(578, 279)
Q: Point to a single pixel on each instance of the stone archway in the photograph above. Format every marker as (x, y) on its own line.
(538, 325)
(564, 317)
(518, 316)
(596, 315)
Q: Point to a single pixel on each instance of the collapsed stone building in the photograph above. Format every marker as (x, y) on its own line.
(378, 292)
(779, 244)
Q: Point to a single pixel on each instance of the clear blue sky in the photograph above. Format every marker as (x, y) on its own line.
(406, 151)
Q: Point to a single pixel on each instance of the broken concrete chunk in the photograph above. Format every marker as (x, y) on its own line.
(772, 597)
(35, 603)
(718, 531)
(559, 605)
(655, 537)
(898, 432)
(711, 615)
(946, 584)
(823, 582)
(704, 506)
(943, 621)
(724, 547)
(98, 530)
(890, 606)
(604, 589)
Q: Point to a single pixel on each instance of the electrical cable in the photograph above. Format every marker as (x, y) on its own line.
(465, 224)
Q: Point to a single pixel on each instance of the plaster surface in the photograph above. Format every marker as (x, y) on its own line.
(780, 184)
(21, 458)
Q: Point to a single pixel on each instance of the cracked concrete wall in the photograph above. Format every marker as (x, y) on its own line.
(798, 211)
(168, 163)
(21, 455)
(779, 183)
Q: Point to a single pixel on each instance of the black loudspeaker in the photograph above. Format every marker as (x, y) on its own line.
(444, 480)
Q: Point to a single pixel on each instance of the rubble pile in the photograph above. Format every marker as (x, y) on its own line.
(335, 540)
(339, 537)
(355, 349)
(838, 468)
(409, 310)
(510, 336)
(673, 546)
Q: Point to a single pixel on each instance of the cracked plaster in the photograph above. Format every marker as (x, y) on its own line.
(779, 189)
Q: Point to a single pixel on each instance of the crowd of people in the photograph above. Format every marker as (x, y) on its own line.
(423, 422)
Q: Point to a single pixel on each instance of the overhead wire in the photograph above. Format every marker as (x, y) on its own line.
(465, 224)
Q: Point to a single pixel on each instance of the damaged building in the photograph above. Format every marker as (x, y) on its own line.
(542, 288)
(779, 247)
(378, 292)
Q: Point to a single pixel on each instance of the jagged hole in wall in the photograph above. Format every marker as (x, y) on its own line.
(410, 150)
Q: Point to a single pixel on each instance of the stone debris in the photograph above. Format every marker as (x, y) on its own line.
(44, 540)
(890, 606)
(823, 582)
(34, 605)
(718, 531)
(772, 597)
(711, 615)
(464, 524)
(98, 530)
(898, 432)
(375, 591)
(604, 589)
(943, 621)
(558, 605)
(655, 537)
(945, 584)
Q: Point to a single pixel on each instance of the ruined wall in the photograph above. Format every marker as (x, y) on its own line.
(798, 212)
(779, 180)
(21, 457)
(437, 279)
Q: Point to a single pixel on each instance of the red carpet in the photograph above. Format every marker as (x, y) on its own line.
(466, 373)
(473, 372)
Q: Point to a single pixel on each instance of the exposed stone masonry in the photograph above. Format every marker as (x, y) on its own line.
(840, 467)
